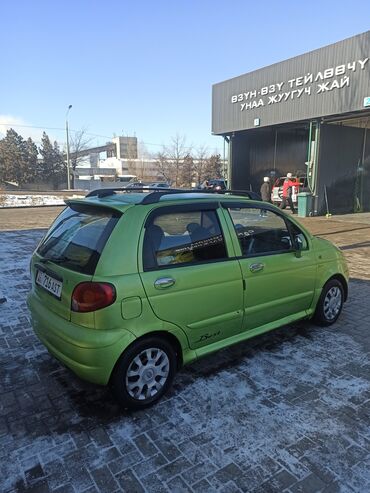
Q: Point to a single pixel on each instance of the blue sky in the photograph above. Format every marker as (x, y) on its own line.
(147, 67)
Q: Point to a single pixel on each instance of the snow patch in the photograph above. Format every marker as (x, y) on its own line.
(11, 200)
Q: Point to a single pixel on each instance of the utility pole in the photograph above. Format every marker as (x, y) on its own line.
(68, 163)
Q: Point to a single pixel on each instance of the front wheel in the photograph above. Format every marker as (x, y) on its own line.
(144, 373)
(330, 303)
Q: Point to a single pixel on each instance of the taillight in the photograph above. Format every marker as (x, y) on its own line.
(91, 296)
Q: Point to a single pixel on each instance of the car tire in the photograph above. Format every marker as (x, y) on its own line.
(144, 373)
(330, 303)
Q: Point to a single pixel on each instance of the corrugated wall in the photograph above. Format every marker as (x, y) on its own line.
(342, 169)
(267, 152)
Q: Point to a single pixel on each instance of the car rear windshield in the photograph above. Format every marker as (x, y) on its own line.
(78, 237)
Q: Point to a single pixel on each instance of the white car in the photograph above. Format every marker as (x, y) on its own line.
(277, 189)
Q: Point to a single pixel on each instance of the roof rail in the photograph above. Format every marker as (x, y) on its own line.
(105, 192)
(156, 193)
(152, 198)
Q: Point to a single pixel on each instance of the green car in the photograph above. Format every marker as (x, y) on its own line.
(129, 286)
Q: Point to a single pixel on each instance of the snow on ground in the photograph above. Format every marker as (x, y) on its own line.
(11, 200)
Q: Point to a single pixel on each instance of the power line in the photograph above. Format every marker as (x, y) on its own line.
(86, 133)
(50, 128)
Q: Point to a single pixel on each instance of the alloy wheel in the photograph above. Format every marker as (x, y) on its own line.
(147, 373)
(332, 303)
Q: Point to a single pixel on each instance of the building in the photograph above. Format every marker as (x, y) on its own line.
(117, 172)
(112, 168)
(119, 147)
(310, 115)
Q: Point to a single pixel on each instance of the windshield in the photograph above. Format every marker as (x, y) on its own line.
(78, 237)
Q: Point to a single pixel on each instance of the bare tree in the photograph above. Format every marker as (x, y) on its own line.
(176, 152)
(200, 164)
(79, 143)
(165, 167)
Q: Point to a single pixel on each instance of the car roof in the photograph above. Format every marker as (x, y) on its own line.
(121, 199)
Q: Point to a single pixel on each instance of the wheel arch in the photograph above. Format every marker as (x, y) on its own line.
(170, 338)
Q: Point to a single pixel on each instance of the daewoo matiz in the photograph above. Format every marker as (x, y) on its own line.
(129, 286)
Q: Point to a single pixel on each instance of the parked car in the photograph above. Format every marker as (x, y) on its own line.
(136, 184)
(217, 184)
(159, 185)
(128, 287)
(277, 188)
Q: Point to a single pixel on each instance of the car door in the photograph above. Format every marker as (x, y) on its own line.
(279, 278)
(190, 273)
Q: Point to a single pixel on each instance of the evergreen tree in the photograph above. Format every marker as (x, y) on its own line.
(60, 169)
(4, 173)
(31, 171)
(186, 171)
(214, 166)
(51, 167)
(17, 158)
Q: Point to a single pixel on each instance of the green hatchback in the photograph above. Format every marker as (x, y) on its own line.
(128, 286)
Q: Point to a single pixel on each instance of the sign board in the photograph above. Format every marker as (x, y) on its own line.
(328, 81)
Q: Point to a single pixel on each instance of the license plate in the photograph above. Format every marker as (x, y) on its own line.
(50, 284)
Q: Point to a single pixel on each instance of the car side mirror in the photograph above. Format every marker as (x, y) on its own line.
(298, 246)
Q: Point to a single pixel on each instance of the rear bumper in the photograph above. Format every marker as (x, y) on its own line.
(89, 353)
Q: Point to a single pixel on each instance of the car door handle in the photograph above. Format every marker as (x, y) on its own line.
(164, 282)
(256, 267)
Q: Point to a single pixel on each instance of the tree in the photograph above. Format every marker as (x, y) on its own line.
(200, 165)
(164, 166)
(52, 167)
(186, 171)
(31, 172)
(171, 159)
(18, 158)
(6, 163)
(79, 142)
(214, 166)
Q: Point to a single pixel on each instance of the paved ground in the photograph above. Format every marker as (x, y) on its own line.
(27, 218)
(286, 412)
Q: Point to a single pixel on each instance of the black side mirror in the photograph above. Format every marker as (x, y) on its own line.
(298, 246)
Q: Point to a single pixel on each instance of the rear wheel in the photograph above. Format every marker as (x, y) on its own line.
(330, 303)
(144, 373)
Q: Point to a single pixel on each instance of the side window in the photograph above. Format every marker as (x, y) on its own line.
(182, 237)
(260, 231)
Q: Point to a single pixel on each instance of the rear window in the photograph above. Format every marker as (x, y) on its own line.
(78, 237)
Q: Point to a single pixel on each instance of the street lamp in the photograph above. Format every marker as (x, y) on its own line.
(68, 164)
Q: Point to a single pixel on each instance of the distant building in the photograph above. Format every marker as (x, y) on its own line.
(113, 167)
(125, 148)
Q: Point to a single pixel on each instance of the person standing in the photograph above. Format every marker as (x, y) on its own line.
(287, 193)
(266, 190)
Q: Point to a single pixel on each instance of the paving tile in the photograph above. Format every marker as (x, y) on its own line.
(310, 484)
(129, 483)
(286, 411)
